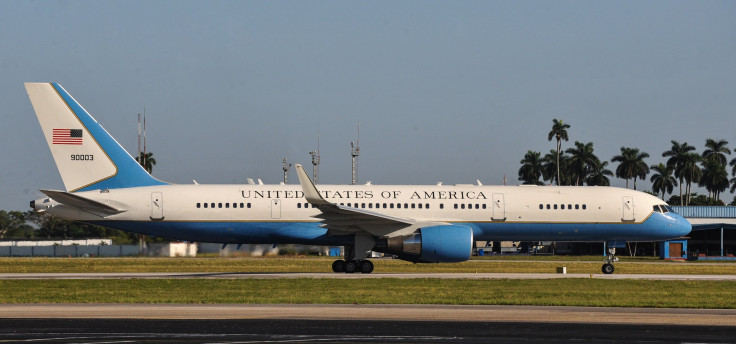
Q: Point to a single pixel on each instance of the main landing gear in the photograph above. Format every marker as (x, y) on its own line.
(354, 260)
(608, 263)
(353, 265)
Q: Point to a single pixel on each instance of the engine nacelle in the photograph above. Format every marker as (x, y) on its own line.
(436, 244)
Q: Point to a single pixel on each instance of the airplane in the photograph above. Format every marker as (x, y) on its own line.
(422, 224)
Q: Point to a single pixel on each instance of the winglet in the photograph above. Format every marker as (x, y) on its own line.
(310, 191)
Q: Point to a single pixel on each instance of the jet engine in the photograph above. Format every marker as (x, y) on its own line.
(436, 244)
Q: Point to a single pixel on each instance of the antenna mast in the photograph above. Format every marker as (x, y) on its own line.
(137, 157)
(286, 166)
(143, 157)
(315, 162)
(355, 152)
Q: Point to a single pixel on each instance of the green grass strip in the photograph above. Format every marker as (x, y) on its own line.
(266, 265)
(564, 292)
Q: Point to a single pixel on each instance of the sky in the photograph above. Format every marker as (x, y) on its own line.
(450, 91)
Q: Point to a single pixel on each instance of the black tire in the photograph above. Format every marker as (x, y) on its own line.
(607, 269)
(366, 266)
(351, 266)
(338, 266)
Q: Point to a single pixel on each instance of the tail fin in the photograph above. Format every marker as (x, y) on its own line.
(87, 157)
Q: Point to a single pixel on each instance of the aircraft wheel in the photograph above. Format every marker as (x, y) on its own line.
(351, 266)
(366, 266)
(607, 269)
(338, 266)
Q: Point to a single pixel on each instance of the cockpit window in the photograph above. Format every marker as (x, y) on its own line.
(663, 208)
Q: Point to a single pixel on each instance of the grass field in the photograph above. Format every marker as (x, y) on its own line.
(562, 292)
(565, 292)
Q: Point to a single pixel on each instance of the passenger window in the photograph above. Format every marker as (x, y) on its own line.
(391, 205)
(462, 206)
(577, 206)
(248, 205)
(212, 205)
(199, 205)
(569, 206)
(406, 205)
(484, 206)
(370, 205)
(227, 205)
(420, 206)
(547, 206)
(299, 205)
(205, 205)
(426, 206)
(555, 206)
(442, 206)
(541, 206)
(242, 205)
(477, 206)
(455, 205)
(583, 206)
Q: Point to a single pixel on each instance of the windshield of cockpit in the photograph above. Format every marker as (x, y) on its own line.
(663, 208)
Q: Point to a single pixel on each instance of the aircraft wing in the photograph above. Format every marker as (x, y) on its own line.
(70, 199)
(340, 218)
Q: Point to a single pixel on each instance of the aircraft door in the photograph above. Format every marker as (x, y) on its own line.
(628, 205)
(499, 208)
(157, 206)
(275, 208)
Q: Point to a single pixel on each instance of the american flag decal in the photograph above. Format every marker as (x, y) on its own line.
(67, 137)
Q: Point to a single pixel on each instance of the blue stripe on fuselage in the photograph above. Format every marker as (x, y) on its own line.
(657, 227)
(306, 233)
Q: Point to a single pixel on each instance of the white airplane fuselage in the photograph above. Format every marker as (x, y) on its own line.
(275, 214)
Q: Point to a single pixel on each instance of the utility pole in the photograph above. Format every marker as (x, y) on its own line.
(315, 162)
(355, 152)
(286, 166)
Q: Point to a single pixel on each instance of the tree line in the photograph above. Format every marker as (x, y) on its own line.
(684, 167)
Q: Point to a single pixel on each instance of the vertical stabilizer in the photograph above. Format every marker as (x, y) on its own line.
(87, 157)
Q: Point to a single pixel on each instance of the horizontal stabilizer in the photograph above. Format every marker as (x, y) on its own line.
(70, 199)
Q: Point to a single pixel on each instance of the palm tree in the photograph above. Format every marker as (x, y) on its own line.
(598, 174)
(714, 177)
(715, 151)
(146, 160)
(531, 168)
(662, 179)
(581, 160)
(691, 172)
(677, 155)
(559, 131)
(631, 164)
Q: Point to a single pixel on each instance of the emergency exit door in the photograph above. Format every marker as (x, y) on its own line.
(628, 206)
(275, 208)
(157, 206)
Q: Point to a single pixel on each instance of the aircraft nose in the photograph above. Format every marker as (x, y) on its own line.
(682, 226)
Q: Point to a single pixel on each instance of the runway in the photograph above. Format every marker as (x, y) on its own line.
(151, 323)
(215, 275)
